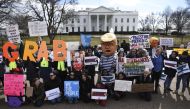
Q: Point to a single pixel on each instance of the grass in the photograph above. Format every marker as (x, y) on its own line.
(96, 40)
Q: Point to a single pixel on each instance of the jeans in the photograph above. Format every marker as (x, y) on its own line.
(156, 77)
(167, 82)
(184, 81)
(56, 100)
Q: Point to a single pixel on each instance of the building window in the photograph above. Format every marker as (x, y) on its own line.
(93, 28)
(115, 20)
(133, 28)
(84, 29)
(72, 21)
(133, 20)
(127, 20)
(78, 29)
(84, 20)
(115, 28)
(121, 20)
(121, 28)
(73, 29)
(127, 28)
(67, 29)
(78, 20)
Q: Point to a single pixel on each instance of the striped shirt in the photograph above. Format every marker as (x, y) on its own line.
(108, 63)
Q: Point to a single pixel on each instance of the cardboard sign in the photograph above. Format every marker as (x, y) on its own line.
(167, 41)
(99, 94)
(170, 64)
(122, 85)
(141, 40)
(37, 28)
(43, 52)
(146, 87)
(183, 69)
(52, 94)
(91, 60)
(13, 85)
(107, 79)
(181, 50)
(31, 47)
(13, 33)
(72, 45)
(71, 89)
(13, 55)
(29, 91)
(59, 50)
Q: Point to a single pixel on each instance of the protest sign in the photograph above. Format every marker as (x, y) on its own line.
(122, 85)
(13, 33)
(141, 40)
(85, 40)
(71, 88)
(168, 52)
(181, 50)
(183, 69)
(170, 64)
(167, 41)
(72, 46)
(107, 79)
(37, 28)
(146, 87)
(53, 93)
(14, 85)
(90, 60)
(99, 94)
(68, 58)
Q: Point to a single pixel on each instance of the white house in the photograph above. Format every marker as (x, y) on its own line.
(101, 19)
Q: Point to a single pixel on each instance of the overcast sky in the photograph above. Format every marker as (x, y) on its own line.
(144, 7)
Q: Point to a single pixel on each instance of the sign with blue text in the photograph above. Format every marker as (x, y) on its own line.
(71, 89)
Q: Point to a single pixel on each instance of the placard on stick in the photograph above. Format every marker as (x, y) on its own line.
(37, 28)
(13, 33)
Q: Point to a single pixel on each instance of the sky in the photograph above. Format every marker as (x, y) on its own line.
(144, 7)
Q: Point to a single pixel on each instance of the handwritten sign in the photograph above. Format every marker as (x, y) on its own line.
(141, 40)
(167, 41)
(71, 88)
(99, 94)
(13, 84)
(122, 85)
(37, 28)
(13, 33)
(52, 94)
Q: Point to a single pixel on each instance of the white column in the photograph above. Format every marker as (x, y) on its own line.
(97, 23)
(89, 23)
(105, 26)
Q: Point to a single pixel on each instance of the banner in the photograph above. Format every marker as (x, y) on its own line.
(52, 94)
(183, 69)
(167, 41)
(99, 94)
(181, 50)
(107, 79)
(14, 85)
(91, 60)
(71, 89)
(13, 33)
(37, 28)
(85, 40)
(122, 85)
(141, 40)
(170, 64)
(72, 46)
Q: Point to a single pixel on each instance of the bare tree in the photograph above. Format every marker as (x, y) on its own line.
(143, 23)
(153, 21)
(6, 8)
(179, 18)
(54, 12)
(166, 19)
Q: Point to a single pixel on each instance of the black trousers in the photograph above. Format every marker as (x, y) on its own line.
(155, 78)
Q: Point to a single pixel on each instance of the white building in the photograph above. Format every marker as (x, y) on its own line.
(101, 19)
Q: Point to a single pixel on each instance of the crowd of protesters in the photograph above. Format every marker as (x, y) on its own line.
(46, 75)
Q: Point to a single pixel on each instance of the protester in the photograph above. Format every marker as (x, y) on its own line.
(38, 93)
(170, 72)
(53, 83)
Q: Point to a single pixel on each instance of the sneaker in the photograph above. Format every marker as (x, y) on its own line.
(181, 94)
